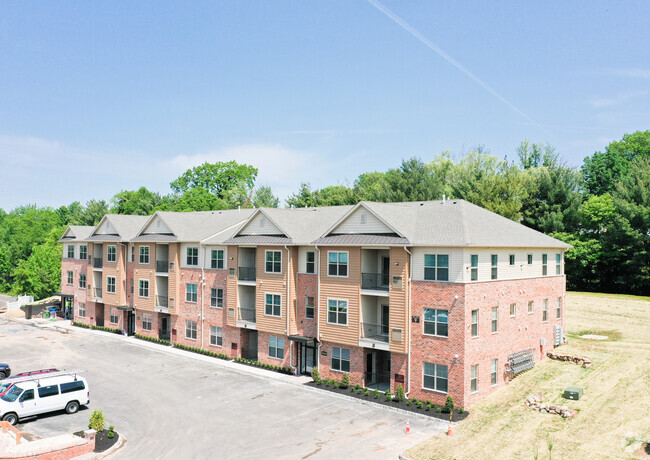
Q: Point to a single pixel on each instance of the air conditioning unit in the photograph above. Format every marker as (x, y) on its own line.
(397, 335)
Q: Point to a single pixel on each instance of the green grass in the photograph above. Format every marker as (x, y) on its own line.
(604, 295)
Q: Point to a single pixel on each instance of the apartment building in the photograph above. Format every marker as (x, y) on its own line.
(442, 297)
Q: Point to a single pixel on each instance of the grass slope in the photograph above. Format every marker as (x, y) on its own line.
(614, 413)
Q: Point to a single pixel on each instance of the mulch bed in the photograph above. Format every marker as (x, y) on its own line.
(102, 441)
(457, 416)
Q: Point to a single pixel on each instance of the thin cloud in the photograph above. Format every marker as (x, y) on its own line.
(616, 100)
(410, 29)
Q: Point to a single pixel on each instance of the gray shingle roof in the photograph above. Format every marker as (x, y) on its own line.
(357, 240)
(126, 226)
(259, 239)
(77, 233)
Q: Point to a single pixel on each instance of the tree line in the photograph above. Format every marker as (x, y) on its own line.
(602, 208)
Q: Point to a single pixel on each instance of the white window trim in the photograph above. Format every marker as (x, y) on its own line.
(281, 257)
(140, 255)
(513, 315)
(531, 310)
(340, 359)
(276, 347)
(68, 281)
(492, 319)
(496, 372)
(141, 296)
(197, 256)
(223, 260)
(150, 316)
(545, 310)
(110, 317)
(478, 316)
(216, 336)
(108, 252)
(273, 293)
(436, 267)
(315, 272)
(434, 377)
(196, 329)
(114, 291)
(347, 312)
(197, 293)
(424, 321)
(347, 264)
(470, 378)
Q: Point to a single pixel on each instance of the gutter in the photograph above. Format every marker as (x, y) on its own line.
(317, 306)
(408, 377)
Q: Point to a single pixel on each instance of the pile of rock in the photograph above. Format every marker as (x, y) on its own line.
(579, 360)
(535, 403)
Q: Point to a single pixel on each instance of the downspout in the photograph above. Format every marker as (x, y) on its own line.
(202, 290)
(317, 306)
(408, 365)
(293, 368)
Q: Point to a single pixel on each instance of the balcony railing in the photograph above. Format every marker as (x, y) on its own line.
(162, 301)
(98, 262)
(247, 314)
(374, 331)
(162, 266)
(378, 380)
(97, 292)
(247, 273)
(377, 281)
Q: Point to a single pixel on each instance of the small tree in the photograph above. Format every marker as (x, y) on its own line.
(315, 375)
(345, 380)
(97, 420)
(449, 404)
(399, 393)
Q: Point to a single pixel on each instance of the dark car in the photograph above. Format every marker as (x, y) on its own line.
(5, 371)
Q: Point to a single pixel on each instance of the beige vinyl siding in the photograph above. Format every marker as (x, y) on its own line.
(341, 288)
(398, 299)
(157, 226)
(270, 283)
(232, 288)
(114, 269)
(260, 225)
(106, 229)
(455, 262)
(353, 224)
(520, 270)
(146, 272)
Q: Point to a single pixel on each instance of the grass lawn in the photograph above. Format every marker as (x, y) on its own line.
(613, 415)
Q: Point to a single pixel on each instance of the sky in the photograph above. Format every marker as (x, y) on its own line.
(99, 97)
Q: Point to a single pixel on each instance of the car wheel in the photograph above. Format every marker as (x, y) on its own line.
(11, 418)
(72, 407)
(2, 375)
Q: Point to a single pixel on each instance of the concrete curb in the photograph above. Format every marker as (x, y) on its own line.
(109, 453)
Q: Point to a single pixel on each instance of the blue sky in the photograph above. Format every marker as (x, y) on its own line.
(98, 97)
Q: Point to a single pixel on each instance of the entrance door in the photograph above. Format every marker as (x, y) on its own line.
(370, 369)
(164, 328)
(130, 323)
(252, 345)
(385, 270)
(307, 358)
(99, 309)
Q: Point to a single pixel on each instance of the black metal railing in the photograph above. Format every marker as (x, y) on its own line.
(97, 292)
(377, 379)
(162, 301)
(247, 314)
(162, 266)
(247, 273)
(374, 331)
(377, 281)
(98, 262)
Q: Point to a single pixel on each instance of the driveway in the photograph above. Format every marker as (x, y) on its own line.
(171, 404)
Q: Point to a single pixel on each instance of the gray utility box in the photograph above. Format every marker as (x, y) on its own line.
(573, 393)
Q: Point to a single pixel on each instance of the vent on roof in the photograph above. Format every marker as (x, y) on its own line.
(262, 222)
(363, 217)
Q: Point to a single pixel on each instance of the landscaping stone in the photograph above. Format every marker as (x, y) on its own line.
(535, 402)
(580, 360)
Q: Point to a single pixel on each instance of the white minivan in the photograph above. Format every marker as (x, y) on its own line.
(51, 392)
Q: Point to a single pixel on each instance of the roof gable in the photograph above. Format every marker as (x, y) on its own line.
(362, 221)
(261, 224)
(156, 226)
(105, 227)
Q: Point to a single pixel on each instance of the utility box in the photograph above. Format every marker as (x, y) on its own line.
(573, 393)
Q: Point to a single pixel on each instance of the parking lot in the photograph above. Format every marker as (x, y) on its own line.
(173, 404)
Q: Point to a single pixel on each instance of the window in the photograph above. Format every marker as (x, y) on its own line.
(190, 292)
(216, 298)
(110, 284)
(82, 310)
(545, 310)
(495, 319)
(474, 263)
(28, 395)
(216, 259)
(436, 267)
(114, 318)
(512, 259)
(83, 252)
(530, 259)
(474, 381)
(495, 263)
(146, 321)
(82, 280)
(69, 387)
(544, 264)
(50, 390)
(558, 264)
(337, 264)
(276, 347)
(272, 305)
(559, 308)
(311, 262)
(144, 288)
(435, 377)
(309, 307)
(70, 277)
(337, 311)
(132, 253)
(273, 262)
(144, 254)
(216, 336)
(513, 309)
(70, 251)
(192, 256)
(531, 305)
(474, 323)
(190, 329)
(340, 359)
(111, 253)
(436, 322)
(495, 366)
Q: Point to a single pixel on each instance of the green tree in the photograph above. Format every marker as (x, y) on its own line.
(372, 186)
(264, 198)
(141, 202)
(40, 274)
(91, 214)
(335, 195)
(195, 199)
(582, 262)
(304, 198)
(216, 178)
(536, 155)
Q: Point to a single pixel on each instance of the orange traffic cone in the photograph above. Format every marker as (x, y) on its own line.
(449, 433)
(408, 428)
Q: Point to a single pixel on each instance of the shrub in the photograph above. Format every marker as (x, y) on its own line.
(327, 382)
(336, 385)
(319, 382)
(111, 427)
(111, 435)
(345, 380)
(419, 404)
(366, 393)
(360, 390)
(438, 409)
(389, 397)
(399, 393)
(357, 386)
(409, 402)
(376, 394)
(449, 404)
(429, 402)
(97, 420)
(461, 410)
(428, 407)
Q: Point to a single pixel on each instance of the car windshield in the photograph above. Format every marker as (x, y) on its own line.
(4, 386)
(12, 394)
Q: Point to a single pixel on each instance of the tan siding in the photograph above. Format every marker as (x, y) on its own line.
(144, 272)
(293, 276)
(174, 278)
(272, 284)
(345, 289)
(231, 287)
(399, 298)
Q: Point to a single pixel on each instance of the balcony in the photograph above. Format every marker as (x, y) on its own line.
(246, 314)
(97, 294)
(162, 301)
(374, 331)
(162, 266)
(246, 274)
(98, 262)
(375, 281)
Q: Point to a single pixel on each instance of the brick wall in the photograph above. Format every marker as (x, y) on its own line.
(307, 285)
(357, 363)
